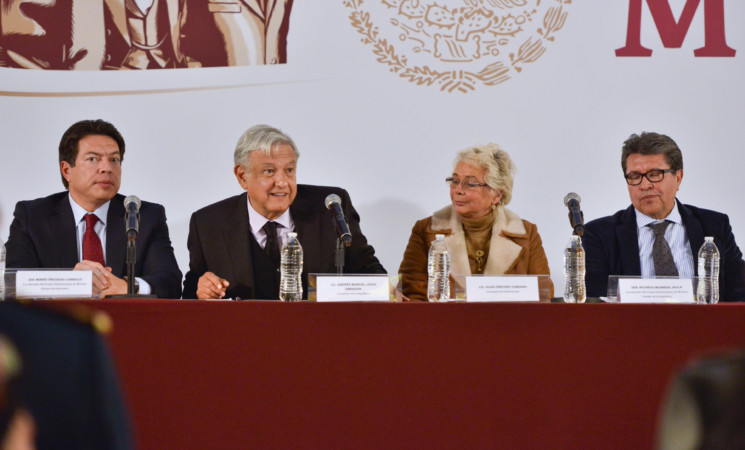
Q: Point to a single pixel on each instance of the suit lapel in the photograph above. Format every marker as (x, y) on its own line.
(256, 9)
(445, 221)
(308, 232)
(63, 232)
(116, 240)
(173, 19)
(89, 39)
(118, 11)
(695, 233)
(628, 239)
(503, 250)
(235, 235)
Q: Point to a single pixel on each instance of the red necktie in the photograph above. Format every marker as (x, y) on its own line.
(92, 250)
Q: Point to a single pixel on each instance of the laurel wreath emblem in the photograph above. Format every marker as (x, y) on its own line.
(529, 51)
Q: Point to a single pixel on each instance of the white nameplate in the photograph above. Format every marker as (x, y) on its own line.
(54, 283)
(347, 289)
(502, 289)
(655, 290)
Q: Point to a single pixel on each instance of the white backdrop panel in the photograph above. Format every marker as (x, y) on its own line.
(390, 142)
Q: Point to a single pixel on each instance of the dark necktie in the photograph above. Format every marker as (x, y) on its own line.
(272, 243)
(664, 265)
(92, 250)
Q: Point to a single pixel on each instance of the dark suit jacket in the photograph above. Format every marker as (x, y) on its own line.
(612, 248)
(42, 235)
(219, 241)
(68, 380)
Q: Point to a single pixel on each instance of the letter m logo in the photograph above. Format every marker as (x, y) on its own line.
(673, 32)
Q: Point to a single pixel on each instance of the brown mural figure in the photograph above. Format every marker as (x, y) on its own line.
(142, 34)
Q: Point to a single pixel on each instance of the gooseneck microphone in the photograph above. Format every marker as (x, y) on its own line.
(576, 218)
(132, 217)
(132, 222)
(333, 204)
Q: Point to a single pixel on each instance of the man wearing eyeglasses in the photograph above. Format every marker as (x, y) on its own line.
(657, 235)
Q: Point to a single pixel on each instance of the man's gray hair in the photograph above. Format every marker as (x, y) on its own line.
(260, 138)
(495, 162)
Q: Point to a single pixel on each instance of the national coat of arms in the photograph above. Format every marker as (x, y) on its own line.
(457, 45)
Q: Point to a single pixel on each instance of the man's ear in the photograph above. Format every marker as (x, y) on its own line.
(242, 175)
(64, 168)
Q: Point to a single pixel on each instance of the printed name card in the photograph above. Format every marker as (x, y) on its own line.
(502, 289)
(54, 283)
(655, 290)
(356, 288)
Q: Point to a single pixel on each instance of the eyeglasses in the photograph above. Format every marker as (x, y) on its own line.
(653, 176)
(468, 184)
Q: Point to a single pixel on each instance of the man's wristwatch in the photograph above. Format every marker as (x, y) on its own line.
(137, 285)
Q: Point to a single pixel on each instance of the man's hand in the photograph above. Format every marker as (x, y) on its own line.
(101, 275)
(104, 282)
(210, 286)
(117, 286)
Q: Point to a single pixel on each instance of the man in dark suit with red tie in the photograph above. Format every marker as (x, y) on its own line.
(84, 227)
(234, 244)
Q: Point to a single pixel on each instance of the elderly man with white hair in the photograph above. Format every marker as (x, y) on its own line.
(234, 244)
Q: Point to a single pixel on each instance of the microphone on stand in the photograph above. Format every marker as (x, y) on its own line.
(576, 218)
(132, 217)
(333, 204)
(132, 222)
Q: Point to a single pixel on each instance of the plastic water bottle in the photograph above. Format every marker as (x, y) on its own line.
(708, 272)
(438, 268)
(574, 272)
(2, 270)
(291, 270)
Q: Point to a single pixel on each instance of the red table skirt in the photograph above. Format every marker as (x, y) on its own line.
(213, 375)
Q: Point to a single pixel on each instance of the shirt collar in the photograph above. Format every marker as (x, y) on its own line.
(258, 221)
(643, 220)
(79, 212)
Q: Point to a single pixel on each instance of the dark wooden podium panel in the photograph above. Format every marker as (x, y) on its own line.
(382, 375)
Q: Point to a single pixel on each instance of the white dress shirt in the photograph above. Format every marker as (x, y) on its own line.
(257, 222)
(676, 238)
(144, 5)
(78, 212)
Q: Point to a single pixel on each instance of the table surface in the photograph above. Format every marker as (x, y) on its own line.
(456, 375)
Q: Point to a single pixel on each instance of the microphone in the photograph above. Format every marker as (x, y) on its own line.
(576, 218)
(333, 204)
(132, 216)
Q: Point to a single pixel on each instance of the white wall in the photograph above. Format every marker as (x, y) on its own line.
(390, 142)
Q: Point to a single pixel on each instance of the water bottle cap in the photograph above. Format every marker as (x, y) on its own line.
(439, 236)
(709, 239)
(291, 234)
